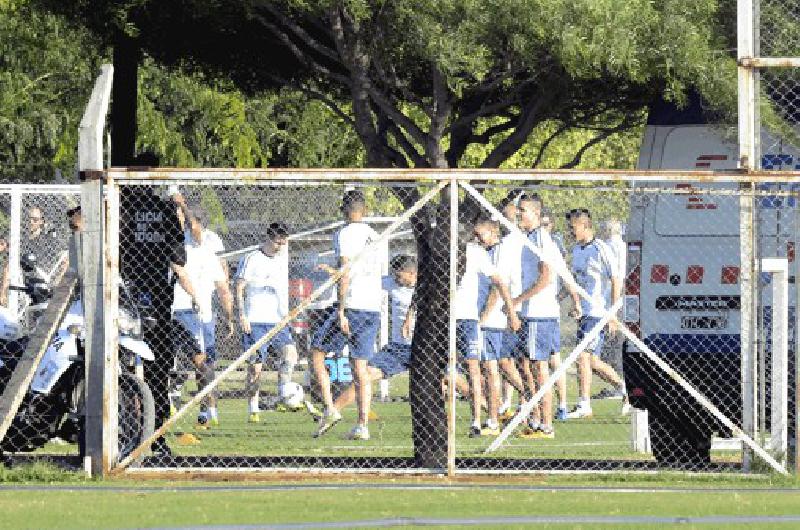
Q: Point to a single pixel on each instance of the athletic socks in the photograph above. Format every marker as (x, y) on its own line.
(254, 404)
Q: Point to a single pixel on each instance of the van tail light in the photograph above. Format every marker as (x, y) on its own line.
(730, 275)
(659, 273)
(630, 308)
(790, 251)
(694, 274)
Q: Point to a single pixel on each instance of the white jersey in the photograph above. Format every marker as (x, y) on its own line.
(399, 302)
(593, 266)
(543, 304)
(507, 258)
(266, 286)
(211, 240)
(620, 251)
(365, 292)
(467, 302)
(204, 270)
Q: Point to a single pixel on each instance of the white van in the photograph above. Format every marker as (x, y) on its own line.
(682, 290)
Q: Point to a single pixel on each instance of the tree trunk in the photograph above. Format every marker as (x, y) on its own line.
(429, 349)
(123, 101)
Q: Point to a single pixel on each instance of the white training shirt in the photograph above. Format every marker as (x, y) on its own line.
(593, 266)
(399, 302)
(204, 270)
(478, 263)
(543, 304)
(507, 257)
(266, 292)
(620, 251)
(365, 292)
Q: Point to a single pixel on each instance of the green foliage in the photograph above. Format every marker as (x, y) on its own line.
(193, 121)
(47, 68)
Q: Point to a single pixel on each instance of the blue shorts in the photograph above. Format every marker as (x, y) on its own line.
(393, 359)
(512, 345)
(493, 344)
(204, 333)
(584, 327)
(468, 339)
(541, 337)
(281, 339)
(363, 332)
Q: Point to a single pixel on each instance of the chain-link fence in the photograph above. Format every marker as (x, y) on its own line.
(34, 235)
(228, 312)
(232, 353)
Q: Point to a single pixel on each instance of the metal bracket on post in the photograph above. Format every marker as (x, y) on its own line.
(779, 268)
(101, 394)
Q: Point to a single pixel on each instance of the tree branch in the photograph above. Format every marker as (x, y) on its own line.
(528, 119)
(625, 124)
(298, 53)
(302, 34)
(319, 96)
(542, 148)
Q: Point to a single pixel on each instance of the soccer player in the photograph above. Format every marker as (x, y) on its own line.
(206, 275)
(540, 310)
(395, 357)
(498, 338)
(262, 295)
(357, 316)
(597, 273)
(467, 309)
(555, 359)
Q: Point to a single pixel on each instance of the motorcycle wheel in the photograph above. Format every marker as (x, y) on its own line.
(137, 414)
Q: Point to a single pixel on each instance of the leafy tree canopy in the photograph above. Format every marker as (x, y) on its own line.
(425, 81)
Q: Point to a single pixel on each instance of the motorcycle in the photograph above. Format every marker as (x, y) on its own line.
(54, 405)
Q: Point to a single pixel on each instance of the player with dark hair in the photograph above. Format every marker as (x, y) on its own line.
(395, 357)
(356, 320)
(262, 294)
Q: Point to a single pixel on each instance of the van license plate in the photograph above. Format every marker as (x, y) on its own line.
(704, 322)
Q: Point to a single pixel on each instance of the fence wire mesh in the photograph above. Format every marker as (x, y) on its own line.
(210, 269)
(780, 117)
(779, 21)
(34, 234)
(274, 243)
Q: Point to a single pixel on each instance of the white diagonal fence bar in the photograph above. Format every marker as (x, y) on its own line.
(560, 267)
(528, 406)
(199, 396)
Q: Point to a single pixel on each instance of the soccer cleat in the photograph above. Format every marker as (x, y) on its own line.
(580, 412)
(490, 431)
(507, 415)
(373, 416)
(214, 421)
(474, 432)
(254, 418)
(537, 434)
(315, 413)
(327, 422)
(359, 432)
(561, 414)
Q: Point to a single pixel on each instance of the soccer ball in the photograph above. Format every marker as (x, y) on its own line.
(292, 395)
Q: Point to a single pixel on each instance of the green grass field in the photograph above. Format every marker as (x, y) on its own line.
(61, 500)
(606, 436)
